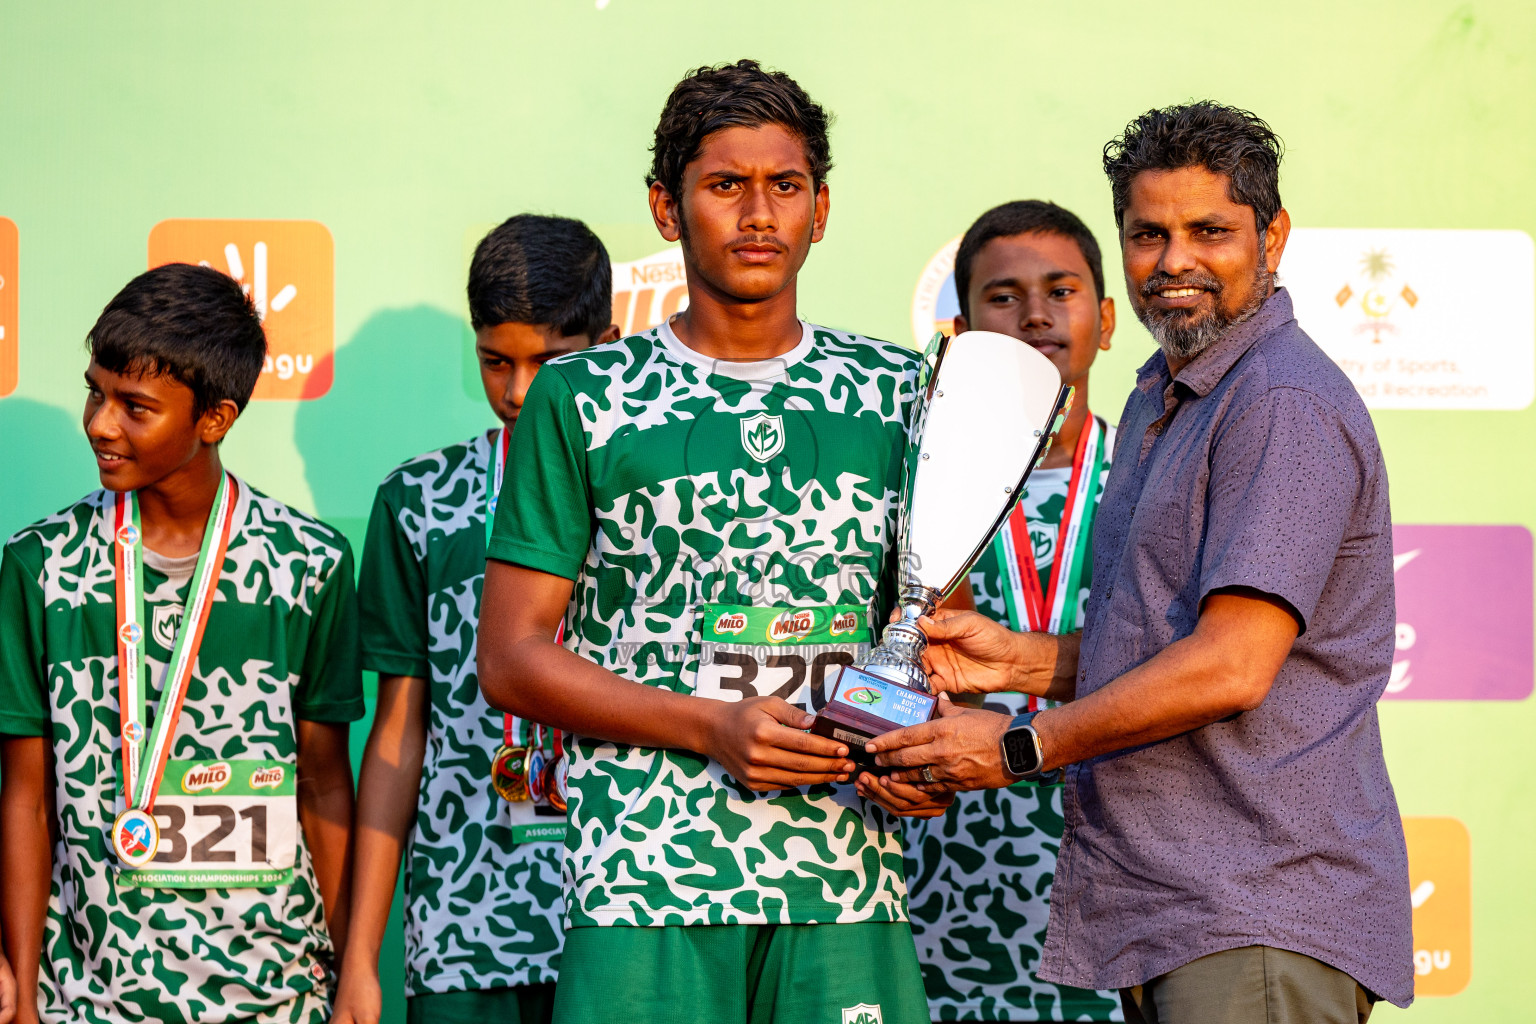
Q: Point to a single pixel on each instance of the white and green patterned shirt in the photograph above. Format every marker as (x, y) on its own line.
(280, 645)
(980, 875)
(481, 911)
(661, 481)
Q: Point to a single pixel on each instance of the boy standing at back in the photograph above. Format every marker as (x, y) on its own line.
(708, 509)
(178, 668)
(445, 778)
(980, 876)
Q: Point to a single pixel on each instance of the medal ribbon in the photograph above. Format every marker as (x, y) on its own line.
(514, 731)
(1054, 610)
(144, 761)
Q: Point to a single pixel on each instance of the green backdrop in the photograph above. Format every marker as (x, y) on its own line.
(405, 128)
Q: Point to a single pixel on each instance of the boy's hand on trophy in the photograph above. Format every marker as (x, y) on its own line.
(761, 741)
(969, 653)
(960, 748)
(905, 800)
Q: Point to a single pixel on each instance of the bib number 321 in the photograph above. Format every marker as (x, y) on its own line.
(223, 825)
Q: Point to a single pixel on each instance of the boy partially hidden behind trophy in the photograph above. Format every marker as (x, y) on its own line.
(1032, 270)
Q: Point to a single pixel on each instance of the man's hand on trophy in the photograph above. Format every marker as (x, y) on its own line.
(960, 748)
(903, 799)
(761, 741)
(969, 653)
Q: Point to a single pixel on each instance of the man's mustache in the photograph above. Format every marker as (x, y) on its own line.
(1194, 279)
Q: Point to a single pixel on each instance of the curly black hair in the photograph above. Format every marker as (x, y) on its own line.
(1224, 140)
(739, 95)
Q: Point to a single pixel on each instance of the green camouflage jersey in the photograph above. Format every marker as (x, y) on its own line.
(980, 876)
(280, 645)
(480, 911)
(662, 481)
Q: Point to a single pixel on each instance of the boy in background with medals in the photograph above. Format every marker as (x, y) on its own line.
(1031, 270)
(475, 797)
(178, 668)
(708, 509)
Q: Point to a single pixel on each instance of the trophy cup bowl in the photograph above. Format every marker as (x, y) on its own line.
(987, 407)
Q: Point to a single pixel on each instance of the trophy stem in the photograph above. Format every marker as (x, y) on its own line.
(898, 657)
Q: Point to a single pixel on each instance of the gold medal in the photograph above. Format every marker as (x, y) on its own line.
(509, 774)
(135, 837)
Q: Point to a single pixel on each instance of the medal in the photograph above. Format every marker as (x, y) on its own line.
(509, 774)
(1055, 610)
(537, 763)
(135, 837)
(135, 834)
(555, 788)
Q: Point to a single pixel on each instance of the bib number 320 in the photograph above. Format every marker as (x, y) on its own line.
(777, 652)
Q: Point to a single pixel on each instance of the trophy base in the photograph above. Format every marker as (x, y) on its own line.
(862, 705)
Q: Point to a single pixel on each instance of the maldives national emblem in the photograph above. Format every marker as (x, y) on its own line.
(762, 435)
(1379, 294)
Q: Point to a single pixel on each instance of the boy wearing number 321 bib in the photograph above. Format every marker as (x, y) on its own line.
(178, 668)
(708, 507)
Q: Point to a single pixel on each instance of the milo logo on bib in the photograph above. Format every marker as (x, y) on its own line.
(791, 625)
(731, 622)
(847, 622)
(268, 778)
(208, 778)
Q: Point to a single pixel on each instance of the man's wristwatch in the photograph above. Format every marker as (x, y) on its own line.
(1022, 755)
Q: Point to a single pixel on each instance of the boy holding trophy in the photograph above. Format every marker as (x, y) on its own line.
(708, 509)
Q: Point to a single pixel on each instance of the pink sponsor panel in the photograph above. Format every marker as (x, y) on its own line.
(1464, 613)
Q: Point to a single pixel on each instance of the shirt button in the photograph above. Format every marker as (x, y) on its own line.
(1157, 428)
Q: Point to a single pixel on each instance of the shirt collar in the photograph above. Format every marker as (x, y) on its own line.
(1205, 371)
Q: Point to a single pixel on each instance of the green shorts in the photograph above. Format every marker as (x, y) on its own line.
(741, 974)
(522, 1004)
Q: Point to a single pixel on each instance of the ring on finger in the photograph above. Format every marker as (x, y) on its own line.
(927, 774)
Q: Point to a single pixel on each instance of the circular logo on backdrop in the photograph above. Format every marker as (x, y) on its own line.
(935, 303)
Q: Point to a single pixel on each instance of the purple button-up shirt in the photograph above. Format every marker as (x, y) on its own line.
(1256, 467)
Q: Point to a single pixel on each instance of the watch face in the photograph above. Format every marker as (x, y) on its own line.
(1020, 748)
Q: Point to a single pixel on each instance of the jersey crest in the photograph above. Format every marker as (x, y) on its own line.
(762, 435)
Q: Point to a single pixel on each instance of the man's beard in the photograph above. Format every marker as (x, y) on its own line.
(1183, 334)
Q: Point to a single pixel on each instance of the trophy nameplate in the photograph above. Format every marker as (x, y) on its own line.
(987, 407)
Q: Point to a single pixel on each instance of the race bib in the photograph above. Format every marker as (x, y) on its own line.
(223, 825)
(778, 652)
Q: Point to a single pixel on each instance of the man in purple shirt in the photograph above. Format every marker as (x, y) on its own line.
(1233, 850)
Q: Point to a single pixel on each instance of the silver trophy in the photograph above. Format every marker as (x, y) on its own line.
(987, 409)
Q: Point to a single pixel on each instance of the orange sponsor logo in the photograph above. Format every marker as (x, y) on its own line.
(286, 267)
(9, 262)
(1440, 879)
(648, 291)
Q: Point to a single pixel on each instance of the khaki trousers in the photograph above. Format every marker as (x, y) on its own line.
(1251, 985)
